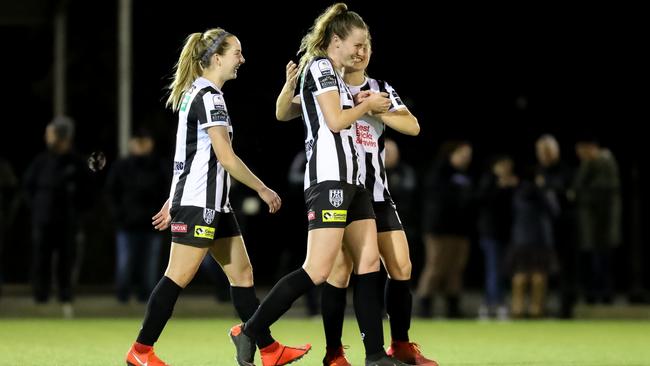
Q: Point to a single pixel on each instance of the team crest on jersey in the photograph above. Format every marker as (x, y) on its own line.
(218, 102)
(324, 67)
(336, 197)
(208, 215)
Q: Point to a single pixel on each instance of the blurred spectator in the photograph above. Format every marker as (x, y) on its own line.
(57, 187)
(8, 190)
(531, 256)
(598, 204)
(136, 185)
(447, 223)
(556, 176)
(402, 181)
(495, 193)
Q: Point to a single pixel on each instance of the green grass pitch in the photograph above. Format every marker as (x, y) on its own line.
(205, 342)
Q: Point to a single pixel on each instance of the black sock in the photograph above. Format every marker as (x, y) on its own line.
(367, 307)
(398, 306)
(246, 302)
(333, 301)
(159, 310)
(278, 301)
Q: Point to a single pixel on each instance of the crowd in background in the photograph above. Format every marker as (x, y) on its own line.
(548, 223)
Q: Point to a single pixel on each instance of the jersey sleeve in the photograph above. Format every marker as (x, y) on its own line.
(323, 76)
(396, 103)
(215, 113)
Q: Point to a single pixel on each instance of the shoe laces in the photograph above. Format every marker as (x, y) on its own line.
(415, 347)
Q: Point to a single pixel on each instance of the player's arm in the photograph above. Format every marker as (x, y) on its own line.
(399, 117)
(235, 166)
(338, 119)
(287, 107)
(401, 121)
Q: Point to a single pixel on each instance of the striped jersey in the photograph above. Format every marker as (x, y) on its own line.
(331, 156)
(199, 178)
(369, 140)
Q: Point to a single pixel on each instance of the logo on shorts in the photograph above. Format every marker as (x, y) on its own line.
(179, 228)
(311, 215)
(335, 215)
(336, 197)
(205, 232)
(208, 215)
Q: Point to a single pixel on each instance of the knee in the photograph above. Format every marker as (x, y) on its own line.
(317, 275)
(368, 264)
(181, 278)
(340, 276)
(400, 271)
(243, 277)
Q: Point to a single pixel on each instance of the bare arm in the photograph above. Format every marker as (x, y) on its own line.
(401, 121)
(338, 119)
(238, 170)
(287, 107)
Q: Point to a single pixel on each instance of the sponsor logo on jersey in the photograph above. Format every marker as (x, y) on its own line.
(327, 81)
(186, 98)
(335, 215)
(205, 232)
(324, 67)
(336, 197)
(179, 166)
(311, 215)
(309, 145)
(179, 227)
(219, 115)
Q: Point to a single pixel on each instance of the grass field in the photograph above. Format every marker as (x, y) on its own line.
(205, 342)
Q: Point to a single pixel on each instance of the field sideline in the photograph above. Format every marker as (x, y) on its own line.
(203, 342)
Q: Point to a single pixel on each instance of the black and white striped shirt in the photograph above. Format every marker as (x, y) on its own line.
(199, 178)
(331, 156)
(369, 140)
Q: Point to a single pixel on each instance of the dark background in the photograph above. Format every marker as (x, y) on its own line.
(498, 76)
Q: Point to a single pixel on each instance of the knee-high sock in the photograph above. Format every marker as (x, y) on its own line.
(333, 302)
(278, 301)
(367, 307)
(159, 310)
(246, 302)
(399, 302)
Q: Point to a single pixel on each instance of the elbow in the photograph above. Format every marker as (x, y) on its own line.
(415, 129)
(280, 117)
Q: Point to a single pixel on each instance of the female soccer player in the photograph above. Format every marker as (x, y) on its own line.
(198, 208)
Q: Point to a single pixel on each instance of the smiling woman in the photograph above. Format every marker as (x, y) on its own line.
(198, 203)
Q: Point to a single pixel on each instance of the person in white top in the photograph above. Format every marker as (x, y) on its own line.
(338, 206)
(393, 245)
(198, 209)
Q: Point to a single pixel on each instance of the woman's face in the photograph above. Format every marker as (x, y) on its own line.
(232, 58)
(352, 49)
(360, 62)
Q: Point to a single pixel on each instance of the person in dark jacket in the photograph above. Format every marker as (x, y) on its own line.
(495, 193)
(136, 185)
(447, 223)
(57, 186)
(557, 176)
(598, 205)
(531, 255)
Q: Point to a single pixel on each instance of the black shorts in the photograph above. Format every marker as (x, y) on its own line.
(337, 204)
(200, 227)
(386, 216)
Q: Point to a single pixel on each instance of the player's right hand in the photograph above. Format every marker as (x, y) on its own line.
(163, 218)
(379, 102)
(271, 198)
